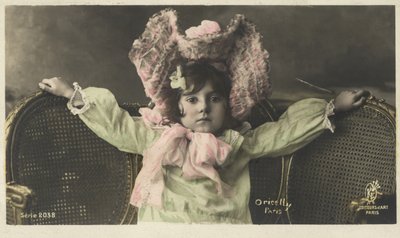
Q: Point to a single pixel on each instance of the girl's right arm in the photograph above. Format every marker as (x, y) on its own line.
(104, 117)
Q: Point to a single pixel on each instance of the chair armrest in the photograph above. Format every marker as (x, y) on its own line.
(19, 200)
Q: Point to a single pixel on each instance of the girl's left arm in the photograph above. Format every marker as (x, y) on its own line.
(299, 125)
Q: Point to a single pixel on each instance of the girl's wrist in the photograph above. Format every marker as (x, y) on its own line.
(69, 92)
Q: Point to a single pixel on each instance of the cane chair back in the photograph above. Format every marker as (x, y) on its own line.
(74, 176)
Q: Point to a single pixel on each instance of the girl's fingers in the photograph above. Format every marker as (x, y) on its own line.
(45, 87)
(49, 82)
(359, 102)
(360, 93)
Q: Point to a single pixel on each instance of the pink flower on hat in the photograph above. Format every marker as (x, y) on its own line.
(205, 28)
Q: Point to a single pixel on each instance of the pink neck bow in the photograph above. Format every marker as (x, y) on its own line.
(196, 153)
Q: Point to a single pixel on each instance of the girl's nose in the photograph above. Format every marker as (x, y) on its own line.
(203, 106)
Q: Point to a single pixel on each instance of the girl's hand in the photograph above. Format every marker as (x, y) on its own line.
(57, 86)
(348, 100)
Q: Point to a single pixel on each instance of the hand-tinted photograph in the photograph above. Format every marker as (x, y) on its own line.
(200, 114)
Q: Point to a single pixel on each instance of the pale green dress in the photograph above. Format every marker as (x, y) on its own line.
(196, 201)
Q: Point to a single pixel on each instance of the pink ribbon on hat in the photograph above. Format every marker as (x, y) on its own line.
(196, 153)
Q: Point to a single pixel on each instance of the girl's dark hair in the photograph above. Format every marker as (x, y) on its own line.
(198, 74)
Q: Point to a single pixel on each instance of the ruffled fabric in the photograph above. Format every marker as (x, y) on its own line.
(196, 153)
(237, 49)
(80, 96)
(152, 118)
(330, 111)
(155, 54)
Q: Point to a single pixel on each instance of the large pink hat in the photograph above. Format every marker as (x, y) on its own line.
(162, 47)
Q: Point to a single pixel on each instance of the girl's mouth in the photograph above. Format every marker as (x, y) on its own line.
(204, 119)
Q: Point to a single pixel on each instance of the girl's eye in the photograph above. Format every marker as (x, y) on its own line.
(215, 98)
(191, 99)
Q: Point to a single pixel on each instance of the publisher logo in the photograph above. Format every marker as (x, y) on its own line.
(371, 192)
(367, 203)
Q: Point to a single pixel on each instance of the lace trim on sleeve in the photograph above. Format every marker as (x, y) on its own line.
(78, 95)
(329, 111)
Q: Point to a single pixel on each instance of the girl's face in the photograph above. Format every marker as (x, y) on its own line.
(203, 111)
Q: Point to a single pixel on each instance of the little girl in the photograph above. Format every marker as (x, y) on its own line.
(195, 143)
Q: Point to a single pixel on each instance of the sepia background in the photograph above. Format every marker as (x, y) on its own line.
(333, 47)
